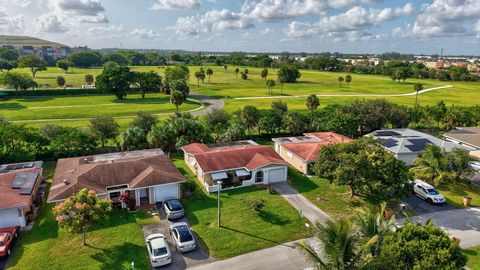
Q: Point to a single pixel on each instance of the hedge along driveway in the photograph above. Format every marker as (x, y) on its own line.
(78, 107)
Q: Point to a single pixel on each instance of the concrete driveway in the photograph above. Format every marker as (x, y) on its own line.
(179, 261)
(461, 223)
(422, 207)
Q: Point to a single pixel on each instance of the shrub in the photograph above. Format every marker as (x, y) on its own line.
(255, 204)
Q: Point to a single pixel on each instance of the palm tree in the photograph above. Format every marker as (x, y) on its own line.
(348, 79)
(236, 72)
(177, 98)
(198, 75)
(270, 84)
(209, 73)
(264, 74)
(282, 80)
(340, 249)
(225, 68)
(432, 165)
(340, 80)
(417, 87)
(312, 104)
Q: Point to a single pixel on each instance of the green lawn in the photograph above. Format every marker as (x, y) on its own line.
(331, 198)
(473, 255)
(75, 108)
(242, 229)
(112, 245)
(454, 194)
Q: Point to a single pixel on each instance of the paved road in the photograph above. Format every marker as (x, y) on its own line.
(285, 257)
(353, 95)
(207, 101)
(422, 207)
(461, 223)
(297, 200)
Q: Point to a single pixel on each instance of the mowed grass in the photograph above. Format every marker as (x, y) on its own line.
(333, 199)
(454, 194)
(79, 107)
(473, 255)
(242, 230)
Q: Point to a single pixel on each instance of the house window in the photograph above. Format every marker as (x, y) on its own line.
(259, 177)
(111, 188)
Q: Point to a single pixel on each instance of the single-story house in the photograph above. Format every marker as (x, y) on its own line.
(148, 174)
(237, 164)
(19, 185)
(406, 144)
(468, 137)
(302, 151)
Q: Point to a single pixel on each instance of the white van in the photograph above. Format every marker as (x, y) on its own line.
(427, 192)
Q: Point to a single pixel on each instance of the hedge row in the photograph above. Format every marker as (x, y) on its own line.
(53, 92)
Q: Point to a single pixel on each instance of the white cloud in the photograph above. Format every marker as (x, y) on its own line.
(278, 10)
(267, 31)
(50, 23)
(446, 18)
(83, 11)
(105, 30)
(11, 24)
(17, 3)
(176, 5)
(144, 34)
(356, 20)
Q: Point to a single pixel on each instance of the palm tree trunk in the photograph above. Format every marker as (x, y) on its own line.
(84, 236)
(416, 99)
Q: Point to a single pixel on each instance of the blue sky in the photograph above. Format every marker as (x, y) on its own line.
(349, 26)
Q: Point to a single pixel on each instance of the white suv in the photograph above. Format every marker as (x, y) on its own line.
(427, 192)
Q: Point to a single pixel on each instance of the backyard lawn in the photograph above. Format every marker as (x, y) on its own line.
(454, 194)
(333, 199)
(473, 255)
(243, 230)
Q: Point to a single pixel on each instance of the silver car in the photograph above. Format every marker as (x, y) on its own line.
(158, 250)
(173, 209)
(183, 237)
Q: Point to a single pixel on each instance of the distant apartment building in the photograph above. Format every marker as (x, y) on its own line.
(46, 52)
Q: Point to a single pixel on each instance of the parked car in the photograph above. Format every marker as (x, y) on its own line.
(183, 237)
(174, 209)
(475, 165)
(427, 192)
(7, 237)
(158, 250)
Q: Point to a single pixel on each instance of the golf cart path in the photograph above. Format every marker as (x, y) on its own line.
(460, 223)
(353, 95)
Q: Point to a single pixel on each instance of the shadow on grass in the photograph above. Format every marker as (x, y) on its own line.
(251, 235)
(12, 106)
(301, 182)
(121, 256)
(273, 218)
(470, 252)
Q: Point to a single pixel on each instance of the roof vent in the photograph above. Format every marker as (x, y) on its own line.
(66, 182)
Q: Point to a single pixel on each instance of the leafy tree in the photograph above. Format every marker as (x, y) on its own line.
(271, 122)
(7, 64)
(115, 57)
(312, 104)
(248, 116)
(234, 132)
(340, 247)
(294, 123)
(60, 81)
(417, 87)
(18, 81)
(104, 128)
(50, 130)
(177, 98)
(270, 84)
(217, 121)
(65, 64)
(81, 211)
(89, 79)
(115, 80)
(334, 119)
(84, 59)
(366, 167)
(417, 246)
(33, 62)
(348, 79)
(133, 138)
(245, 71)
(177, 73)
(145, 121)
(458, 163)
(289, 73)
(148, 82)
(9, 54)
(72, 142)
(236, 72)
(110, 64)
(209, 73)
(182, 86)
(225, 67)
(18, 143)
(264, 74)
(280, 106)
(438, 112)
(340, 80)
(244, 76)
(432, 166)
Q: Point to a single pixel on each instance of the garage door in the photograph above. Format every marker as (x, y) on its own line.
(166, 192)
(9, 217)
(277, 175)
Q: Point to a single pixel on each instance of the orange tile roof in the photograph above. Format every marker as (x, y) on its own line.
(245, 156)
(9, 197)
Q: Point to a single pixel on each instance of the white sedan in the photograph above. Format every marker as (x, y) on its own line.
(158, 250)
